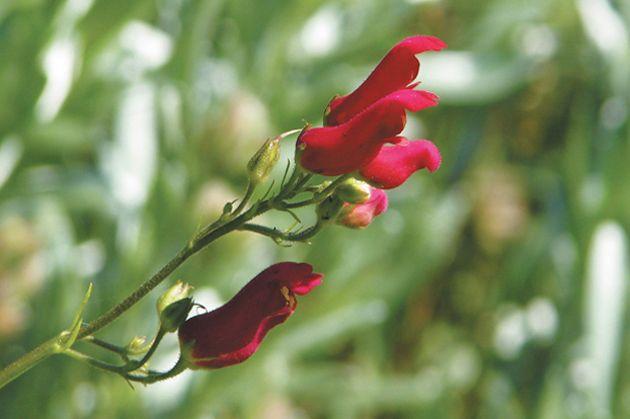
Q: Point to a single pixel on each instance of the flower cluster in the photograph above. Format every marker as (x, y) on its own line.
(361, 130)
(360, 137)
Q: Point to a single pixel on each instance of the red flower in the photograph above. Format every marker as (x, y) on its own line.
(396, 71)
(361, 215)
(232, 333)
(394, 164)
(348, 147)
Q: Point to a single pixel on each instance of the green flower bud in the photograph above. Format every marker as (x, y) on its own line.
(173, 306)
(328, 209)
(353, 191)
(261, 163)
(138, 345)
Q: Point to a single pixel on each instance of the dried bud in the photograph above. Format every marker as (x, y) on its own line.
(261, 163)
(173, 306)
(328, 209)
(353, 191)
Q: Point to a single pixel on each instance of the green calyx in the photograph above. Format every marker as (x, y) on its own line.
(328, 209)
(353, 191)
(174, 305)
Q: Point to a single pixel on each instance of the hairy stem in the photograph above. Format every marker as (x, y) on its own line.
(106, 318)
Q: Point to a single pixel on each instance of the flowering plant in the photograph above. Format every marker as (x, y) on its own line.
(360, 153)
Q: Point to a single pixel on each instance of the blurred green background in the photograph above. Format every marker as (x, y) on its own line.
(494, 288)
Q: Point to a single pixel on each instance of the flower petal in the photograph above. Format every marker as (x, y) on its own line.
(395, 72)
(394, 164)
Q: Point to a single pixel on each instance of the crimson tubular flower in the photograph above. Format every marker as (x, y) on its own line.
(233, 332)
(359, 125)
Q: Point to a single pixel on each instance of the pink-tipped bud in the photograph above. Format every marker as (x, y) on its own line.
(362, 215)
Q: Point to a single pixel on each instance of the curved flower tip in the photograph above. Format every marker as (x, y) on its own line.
(394, 164)
(345, 148)
(298, 277)
(362, 215)
(396, 71)
(233, 332)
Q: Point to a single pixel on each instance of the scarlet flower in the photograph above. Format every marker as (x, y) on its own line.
(345, 148)
(233, 332)
(396, 71)
(362, 215)
(395, 163)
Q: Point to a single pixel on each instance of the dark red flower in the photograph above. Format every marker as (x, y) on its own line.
(396, 71)
(348, 147)
(395, 163)
(361, 215)
(232, 333)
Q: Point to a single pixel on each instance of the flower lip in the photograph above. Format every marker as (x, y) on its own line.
(396, 71)
(395, 163)
(297, 277)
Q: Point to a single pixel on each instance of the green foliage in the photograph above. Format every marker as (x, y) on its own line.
(495, 288)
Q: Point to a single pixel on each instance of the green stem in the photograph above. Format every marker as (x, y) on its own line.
(106, 318)
(154, 376)
(248, 194)
(277, 235)
(119, 350)
(318, 197)
(94, 362)
(150, 377)
(134, 365)
(27, 361)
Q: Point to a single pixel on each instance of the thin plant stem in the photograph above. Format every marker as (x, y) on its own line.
(119, 350)
(134, 365)
(150, 377)
(248, 194)
(318, 197)
(79, 356)
(27, 361)
(280, 236)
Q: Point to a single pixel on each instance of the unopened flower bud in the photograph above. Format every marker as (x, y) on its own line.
(361, 215)
(173, 306)
(328, 209)
(138, 345)
(353, 191)
(261, 163)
